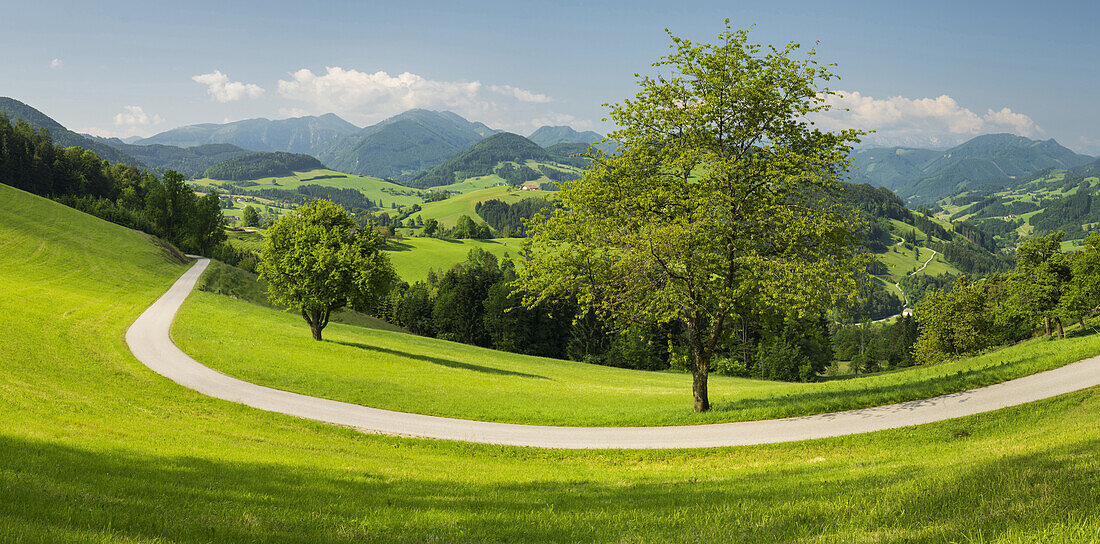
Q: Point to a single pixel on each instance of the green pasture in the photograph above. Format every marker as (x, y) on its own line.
(413, 257)
(94, 447)
(373, 188)
(448, 211)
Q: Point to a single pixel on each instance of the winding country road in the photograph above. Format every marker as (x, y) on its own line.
(149, 340)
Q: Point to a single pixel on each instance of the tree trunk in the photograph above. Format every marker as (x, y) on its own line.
(317, 321)
(699, 390)
(1046, 321)
(1081, 320)
(1061, 332)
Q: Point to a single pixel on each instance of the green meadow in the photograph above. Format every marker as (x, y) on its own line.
(94, 447)
(373, 188)
(448, 211)
(414, 257)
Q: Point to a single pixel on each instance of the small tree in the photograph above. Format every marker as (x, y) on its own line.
(317, 260)
(715, 207)
(250, 216)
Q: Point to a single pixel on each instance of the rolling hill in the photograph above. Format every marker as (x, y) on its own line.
(402, 146)
(993, 160)
(296, 135)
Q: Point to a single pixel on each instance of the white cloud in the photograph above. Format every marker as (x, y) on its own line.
(56, 63)
(523, 95)
(290, 113)
(133, 121)
(366, 98)
(922, 121)
(376, 95)
(134, 116)
(560, 119)
(221, 89)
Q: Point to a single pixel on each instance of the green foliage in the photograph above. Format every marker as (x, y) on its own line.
(317, 260)
(1035, 287)
(707, 211)
(952, 323)
(262, 165)
(468, 228)
(250, 217)
(511, 219)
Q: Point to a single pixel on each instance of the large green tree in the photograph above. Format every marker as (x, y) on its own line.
(1035, 287)
(717, 204)
(318, 260)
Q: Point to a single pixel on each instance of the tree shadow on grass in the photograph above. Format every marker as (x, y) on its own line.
(54, 492)
(442, 362)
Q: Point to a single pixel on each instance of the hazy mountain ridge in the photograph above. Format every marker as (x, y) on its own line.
(295, 135)
(547, 136)
(994, 160)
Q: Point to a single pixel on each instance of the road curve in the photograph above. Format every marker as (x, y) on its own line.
(149, 340)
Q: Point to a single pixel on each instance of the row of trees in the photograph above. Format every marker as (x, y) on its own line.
(1046, 290)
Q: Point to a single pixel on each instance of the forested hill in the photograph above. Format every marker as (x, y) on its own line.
(189, 161)
(403, 146)
(262, 165)
(924, 176)
(296, 135)
(482, 159)
(16, 110)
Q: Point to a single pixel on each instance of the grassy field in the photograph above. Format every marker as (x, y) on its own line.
(424, 375)
(414, 257)
(94, 447)
(373, 188)
(448, 211)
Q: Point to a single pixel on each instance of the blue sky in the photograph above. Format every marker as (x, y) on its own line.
(921, 73)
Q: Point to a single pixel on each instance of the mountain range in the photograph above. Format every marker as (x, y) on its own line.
(924, 176)
(402, 146)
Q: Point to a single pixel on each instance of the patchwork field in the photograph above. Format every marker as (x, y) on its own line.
(373, 188)
(94, 447)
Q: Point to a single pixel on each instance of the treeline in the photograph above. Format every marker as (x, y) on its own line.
(870, 348)
(1046, 290)
(474, 303)
(510, 220)
(166, 207)
(516, 175)
(350, 199)
(262, 165)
